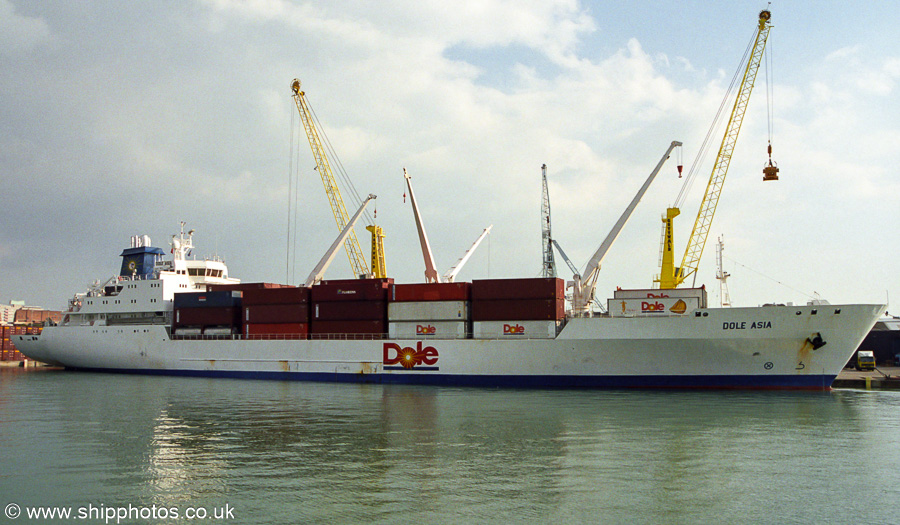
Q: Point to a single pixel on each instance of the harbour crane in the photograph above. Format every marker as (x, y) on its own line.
(351, 244)
(549, 268)
(670, 276)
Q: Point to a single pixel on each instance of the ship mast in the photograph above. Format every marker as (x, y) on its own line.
(722, 275)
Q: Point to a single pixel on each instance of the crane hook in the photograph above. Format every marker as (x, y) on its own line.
(770, 171)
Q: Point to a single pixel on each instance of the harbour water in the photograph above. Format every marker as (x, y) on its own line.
(289, 452)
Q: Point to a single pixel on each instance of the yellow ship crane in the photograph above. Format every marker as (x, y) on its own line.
(670, 276)
(354, 252)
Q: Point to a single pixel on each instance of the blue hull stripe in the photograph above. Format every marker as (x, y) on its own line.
(743, 382)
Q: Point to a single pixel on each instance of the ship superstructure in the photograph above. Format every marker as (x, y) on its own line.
(143, 291)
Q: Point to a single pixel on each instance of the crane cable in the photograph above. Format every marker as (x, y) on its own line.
(717, 121)
(342, 173)
(770, 94)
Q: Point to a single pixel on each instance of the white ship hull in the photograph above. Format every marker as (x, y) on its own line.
(763, 347)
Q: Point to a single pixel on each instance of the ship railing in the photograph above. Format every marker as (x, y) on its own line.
(136, 277)
(348, 337)
(281, 337)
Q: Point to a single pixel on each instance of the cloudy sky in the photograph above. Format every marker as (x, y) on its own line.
(121, 119)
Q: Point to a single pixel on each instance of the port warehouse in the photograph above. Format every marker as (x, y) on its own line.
(884, 341)
(24, 321)
(374, 309)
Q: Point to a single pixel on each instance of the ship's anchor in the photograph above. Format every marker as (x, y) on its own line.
(816, 341)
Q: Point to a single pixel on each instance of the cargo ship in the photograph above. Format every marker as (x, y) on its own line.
(182, 316)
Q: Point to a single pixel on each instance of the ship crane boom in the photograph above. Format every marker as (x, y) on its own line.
(452, 272)
(431, 273)
(319, 271)
(583, 294)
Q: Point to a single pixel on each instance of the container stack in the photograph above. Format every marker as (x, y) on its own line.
(518, 308)
(207, 313)
(433, 310)
(243, 287)
(656, 302)
(349, 309)
(8, 350)
(276, 313)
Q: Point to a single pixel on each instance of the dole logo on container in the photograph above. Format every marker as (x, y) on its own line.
(654, 307)
(425, 330)
(515, 329)
(409, 357)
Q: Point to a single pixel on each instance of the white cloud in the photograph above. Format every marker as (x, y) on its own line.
(20, 33)
(472, 97)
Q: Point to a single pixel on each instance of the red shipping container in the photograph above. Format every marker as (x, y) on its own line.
(349, 311)
(293, 295)
(276, 330)
(11, 355)
(519, 310)
(277, 313)
(364, 329)
(361, 290)
(430, 292)
(206, 316)
(243, 287)
(539, 288)
(387, 280)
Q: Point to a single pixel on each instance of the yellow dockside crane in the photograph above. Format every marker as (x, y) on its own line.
(351, 244)
(670, 276)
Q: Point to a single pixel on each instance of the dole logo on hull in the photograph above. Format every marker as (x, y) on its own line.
(409, 357)
(515, 329)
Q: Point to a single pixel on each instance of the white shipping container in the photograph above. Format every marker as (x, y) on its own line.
(429, 311)
(668, 293)
(218, 331)
(514, 329)
(660, 306)
(428, 330)
(188, 331)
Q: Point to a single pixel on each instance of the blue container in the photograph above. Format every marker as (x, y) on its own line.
(220, 299)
